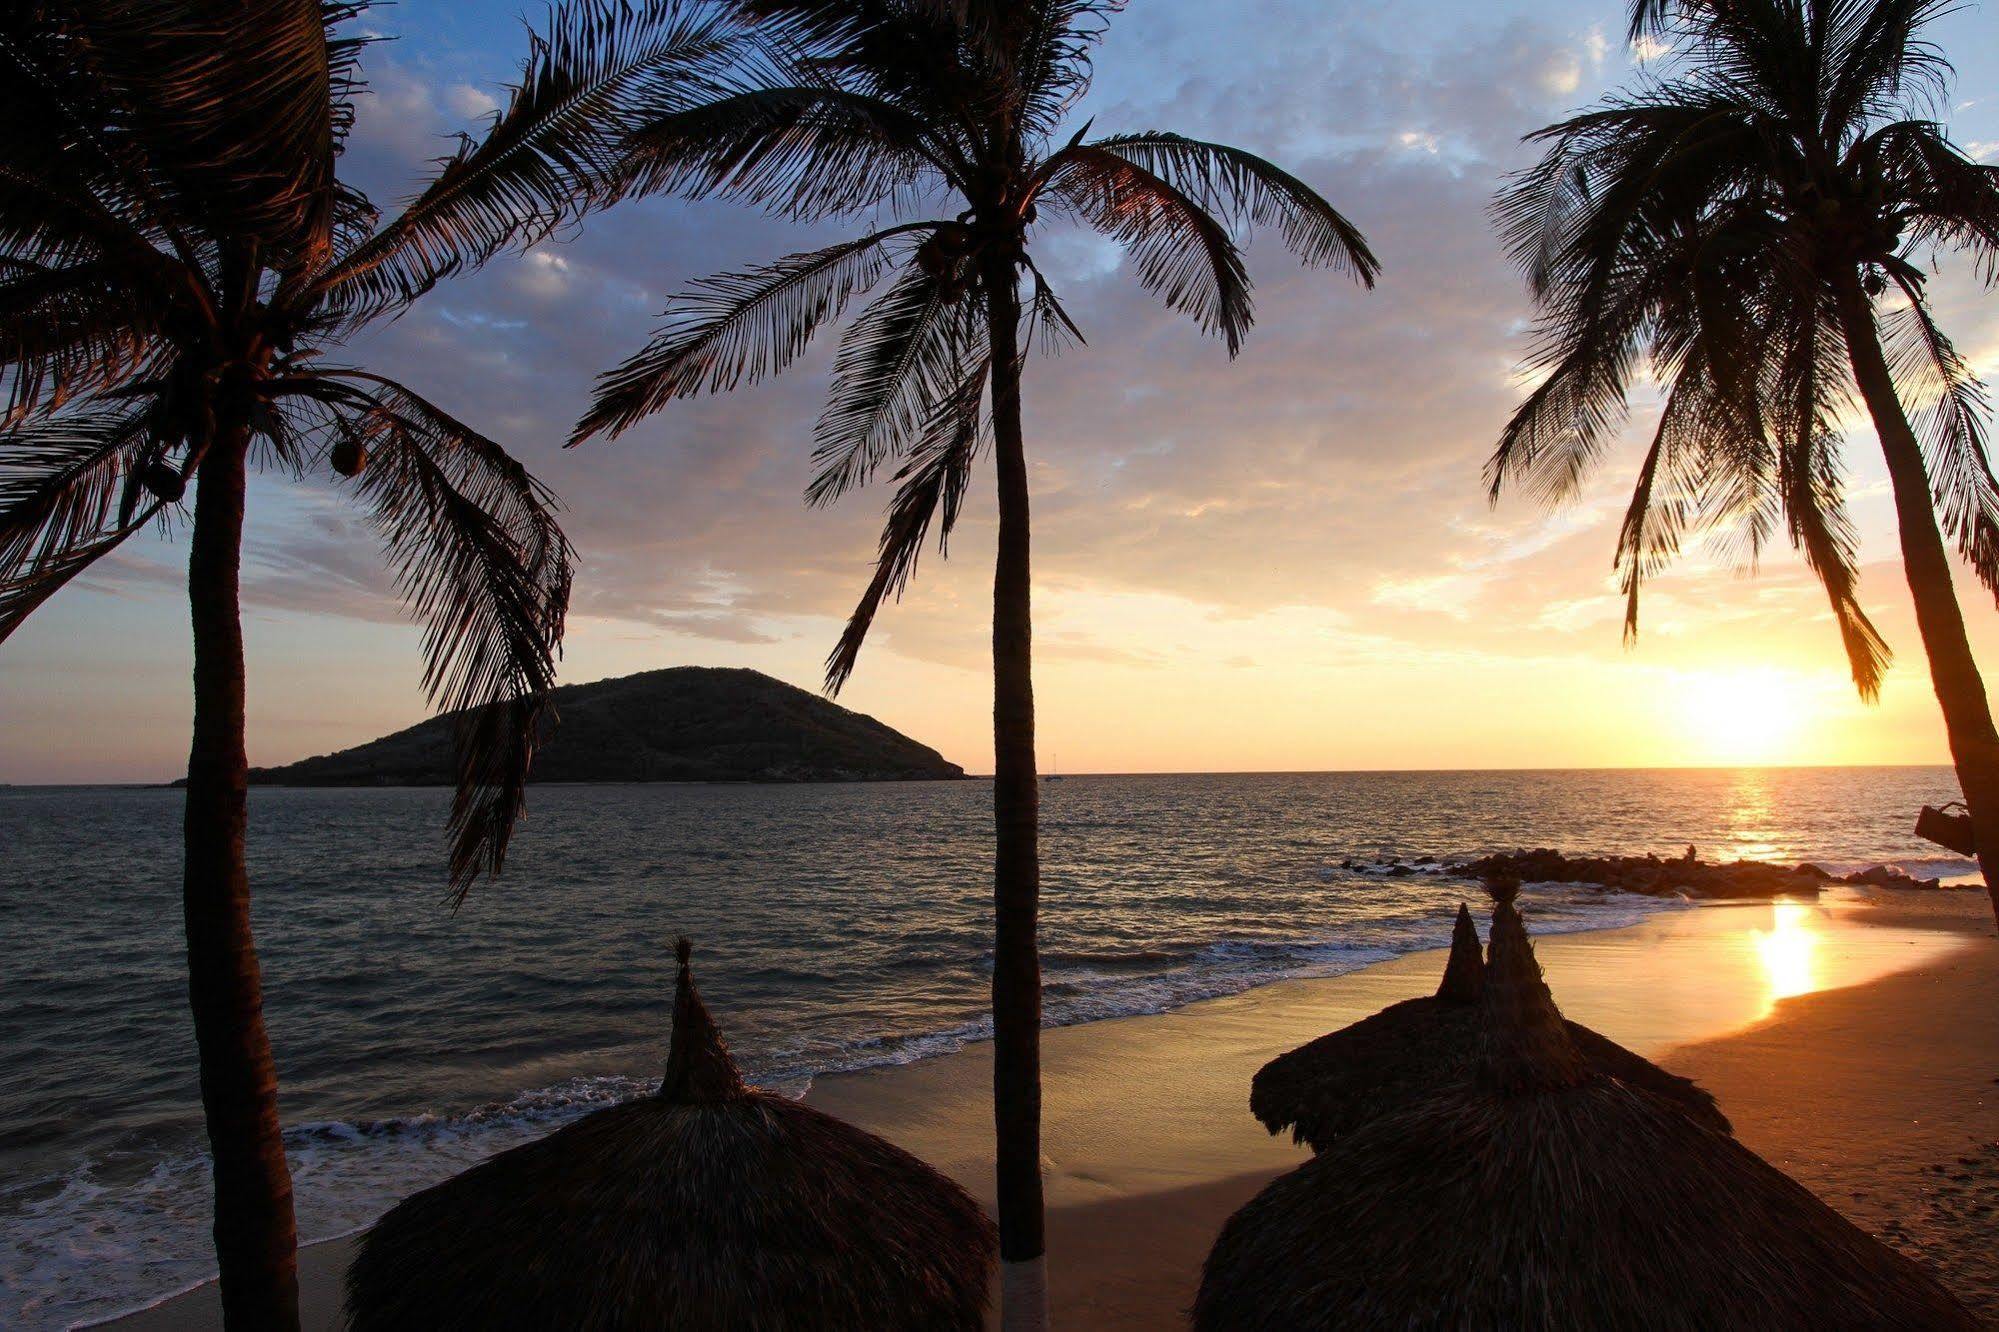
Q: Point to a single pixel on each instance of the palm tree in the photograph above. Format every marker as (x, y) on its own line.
(1752, 222)
(177, 257)
(947, 114)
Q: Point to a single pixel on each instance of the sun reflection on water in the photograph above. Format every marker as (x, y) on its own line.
(1751, 826)
(1788, 951)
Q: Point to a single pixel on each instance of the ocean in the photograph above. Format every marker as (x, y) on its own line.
(836, 927)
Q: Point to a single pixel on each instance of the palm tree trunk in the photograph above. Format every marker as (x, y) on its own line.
(1017, 855)
(256, 1240)
(1974, 744)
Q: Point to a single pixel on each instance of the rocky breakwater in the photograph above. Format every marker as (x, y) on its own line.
(1680, 876)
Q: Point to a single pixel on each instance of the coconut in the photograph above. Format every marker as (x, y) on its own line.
(349, 456)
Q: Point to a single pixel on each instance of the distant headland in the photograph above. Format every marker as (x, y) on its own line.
(681, 724)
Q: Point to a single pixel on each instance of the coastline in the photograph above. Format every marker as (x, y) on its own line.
(1148, 1143)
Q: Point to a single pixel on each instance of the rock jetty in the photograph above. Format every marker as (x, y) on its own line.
(1679, 876)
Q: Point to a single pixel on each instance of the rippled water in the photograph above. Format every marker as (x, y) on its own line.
(837, 926)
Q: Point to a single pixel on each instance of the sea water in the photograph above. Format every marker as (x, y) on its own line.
(836, 927)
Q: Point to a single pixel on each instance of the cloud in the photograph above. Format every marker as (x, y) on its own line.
(1649, 49)
(469, 102)
(1317, 500)
(1335, 465)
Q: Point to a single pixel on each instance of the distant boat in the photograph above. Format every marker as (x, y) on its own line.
(1053, 762)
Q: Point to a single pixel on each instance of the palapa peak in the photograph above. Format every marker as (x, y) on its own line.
(1464, 974)
(698, 1066)
(1527, 1045)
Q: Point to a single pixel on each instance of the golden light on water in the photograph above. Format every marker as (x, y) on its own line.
(1788, 951)
(1751, 825)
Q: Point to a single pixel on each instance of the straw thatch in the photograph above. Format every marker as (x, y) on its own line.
(1542, 1193)
(1384, 1063)
(1464, 972)
(709, 1205)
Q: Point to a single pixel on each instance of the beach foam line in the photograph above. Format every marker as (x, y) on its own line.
(92, 1243)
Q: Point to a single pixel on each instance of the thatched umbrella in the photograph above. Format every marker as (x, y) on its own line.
(1333, 1085)
(1543, 1193)
(709, 1205)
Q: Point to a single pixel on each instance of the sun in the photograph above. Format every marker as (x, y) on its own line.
(1743, 716)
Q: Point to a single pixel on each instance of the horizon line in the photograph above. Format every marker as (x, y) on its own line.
(168, 784)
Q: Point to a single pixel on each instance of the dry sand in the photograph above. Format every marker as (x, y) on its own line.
(1854, 1043)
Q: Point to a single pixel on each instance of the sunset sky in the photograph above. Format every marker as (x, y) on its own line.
(1282, 562)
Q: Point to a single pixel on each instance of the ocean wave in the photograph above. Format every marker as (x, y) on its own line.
(95, 1241)
(1115, 958)
(1916, 867)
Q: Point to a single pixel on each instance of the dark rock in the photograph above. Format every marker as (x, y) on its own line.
(1889, 876)
(1679, 876)
(1646, 874)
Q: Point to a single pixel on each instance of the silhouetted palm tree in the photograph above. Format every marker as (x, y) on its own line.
(948, 113)
(177, 254)
(1751, 222)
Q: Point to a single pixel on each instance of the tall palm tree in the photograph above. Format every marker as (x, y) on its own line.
(177, 258)
(1753, 222)
(947, 114)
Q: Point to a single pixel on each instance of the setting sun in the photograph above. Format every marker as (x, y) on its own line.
(1505, 474)
(1741, 716)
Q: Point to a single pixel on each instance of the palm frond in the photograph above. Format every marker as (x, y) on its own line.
(802, 151)
(553, 152)
(1827, 539)
(1047, 48)
(1251, 192)
(1876, 61)
(904, 355)
(1613, 177)
(933, 486)
(57, 223)
(69, 332)
(1178, 249)
(1050, 321)
(243, 118)
(60, 482)
(1934, 381)
(73, 184)
(737, 328)
(1808, 399)
(1660, 512)
(1564, 425)
(1947, 200)
(483, 565)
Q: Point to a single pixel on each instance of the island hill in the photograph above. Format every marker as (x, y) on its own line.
(683, 724)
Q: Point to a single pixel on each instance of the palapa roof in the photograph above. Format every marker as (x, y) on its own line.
(1542, 1193)
(1407, 1051)
(710, 1204)
(1464, 972)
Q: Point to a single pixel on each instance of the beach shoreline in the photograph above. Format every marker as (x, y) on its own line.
(1148, 1142)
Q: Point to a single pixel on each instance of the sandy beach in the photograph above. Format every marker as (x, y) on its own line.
(1854, 1042)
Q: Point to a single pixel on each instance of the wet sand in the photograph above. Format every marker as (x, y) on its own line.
(1854, 1042)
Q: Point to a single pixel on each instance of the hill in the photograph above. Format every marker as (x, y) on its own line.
(683, 724)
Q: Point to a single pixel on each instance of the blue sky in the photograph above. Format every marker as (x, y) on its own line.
(1281, 562)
